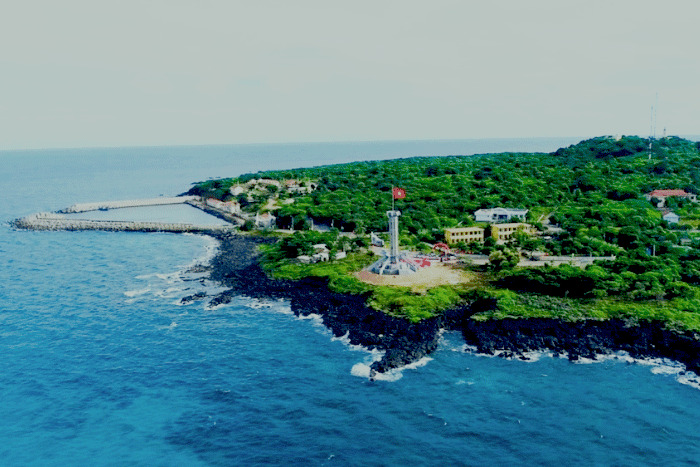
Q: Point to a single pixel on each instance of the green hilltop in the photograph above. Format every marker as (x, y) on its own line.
(593, 192)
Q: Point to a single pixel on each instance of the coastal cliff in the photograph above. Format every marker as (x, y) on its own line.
(235, 265)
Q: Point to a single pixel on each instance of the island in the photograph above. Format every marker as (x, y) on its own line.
(588, 250)
(591, 249)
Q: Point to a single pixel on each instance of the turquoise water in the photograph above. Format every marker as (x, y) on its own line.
(101, 366)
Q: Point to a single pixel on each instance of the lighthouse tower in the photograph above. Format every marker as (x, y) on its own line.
(393, 234)
(394, 262)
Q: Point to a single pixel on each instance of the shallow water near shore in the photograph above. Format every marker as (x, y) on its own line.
(101, 365)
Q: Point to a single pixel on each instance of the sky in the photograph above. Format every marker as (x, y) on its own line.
(128, 73)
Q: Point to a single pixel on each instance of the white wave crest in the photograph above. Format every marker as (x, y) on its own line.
(256, 304)
(345, 339)
(689, 379)
(316, 319)
(211, 247)
(136, 293)
(658, 366)
(364, 370)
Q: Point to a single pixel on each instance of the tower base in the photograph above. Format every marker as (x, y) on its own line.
(399, 265)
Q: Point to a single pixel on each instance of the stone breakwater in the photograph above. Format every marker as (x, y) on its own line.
(57, 221)
(235, 266)
(52, 221)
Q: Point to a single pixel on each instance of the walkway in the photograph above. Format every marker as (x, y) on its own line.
(134, 203)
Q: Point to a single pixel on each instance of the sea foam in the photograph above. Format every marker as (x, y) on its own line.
(658, 366)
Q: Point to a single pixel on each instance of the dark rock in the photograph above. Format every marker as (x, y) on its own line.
(198, 268)
(236, 267)
(193, 297)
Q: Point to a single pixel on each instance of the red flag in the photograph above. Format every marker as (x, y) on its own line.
(399, 193)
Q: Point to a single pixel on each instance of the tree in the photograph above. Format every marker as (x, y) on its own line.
(500, 260)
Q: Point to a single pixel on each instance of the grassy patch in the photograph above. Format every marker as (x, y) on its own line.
(400, 301)
(678, 314)
(396, 301)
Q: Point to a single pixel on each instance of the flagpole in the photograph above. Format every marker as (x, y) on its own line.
(392, 197)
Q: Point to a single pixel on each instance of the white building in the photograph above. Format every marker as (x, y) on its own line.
(299, 187)
(237, 190)
(231, 207)
(499, 214)
(661, 196)
(262, 183)
(671, 217)
(375, 240)
(265, 221)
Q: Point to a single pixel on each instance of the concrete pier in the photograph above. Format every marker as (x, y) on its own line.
(134, 203)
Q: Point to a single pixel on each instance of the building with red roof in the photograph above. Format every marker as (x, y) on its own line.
(661, 195)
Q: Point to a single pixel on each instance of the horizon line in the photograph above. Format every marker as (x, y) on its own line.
(285, 143)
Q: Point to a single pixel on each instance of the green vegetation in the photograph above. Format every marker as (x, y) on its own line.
(678, 314)
(592, 191)
(278, 260)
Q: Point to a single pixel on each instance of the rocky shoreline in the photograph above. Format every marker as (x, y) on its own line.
(235, 266)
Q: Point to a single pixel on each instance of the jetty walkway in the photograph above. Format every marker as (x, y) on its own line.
(134, 203)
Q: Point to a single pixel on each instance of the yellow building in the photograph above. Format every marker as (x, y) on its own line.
(464, 234)
(503, 232)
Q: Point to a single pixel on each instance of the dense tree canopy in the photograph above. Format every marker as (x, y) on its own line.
(594, 191)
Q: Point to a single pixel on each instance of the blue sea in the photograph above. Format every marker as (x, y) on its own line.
(101, 365)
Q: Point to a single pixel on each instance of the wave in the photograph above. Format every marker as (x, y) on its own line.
(136, 293)
(315, 319)
(211, 247)
(190, 278)
(174, 286)
(363, 369)
(658, 366)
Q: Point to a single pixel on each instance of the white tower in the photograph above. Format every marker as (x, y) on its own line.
(394, 261)
(394, 235)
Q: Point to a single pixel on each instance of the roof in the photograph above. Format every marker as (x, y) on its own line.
(511, 224)
(464, 229)
(669, 193)
(503, 210)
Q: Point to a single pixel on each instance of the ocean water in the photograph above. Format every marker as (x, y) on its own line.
(101, 365)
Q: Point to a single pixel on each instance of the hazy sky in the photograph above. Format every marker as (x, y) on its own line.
(114, 73)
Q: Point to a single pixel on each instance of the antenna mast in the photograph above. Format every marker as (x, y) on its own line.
(651, 130)
(652, 123)
(656, 110)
